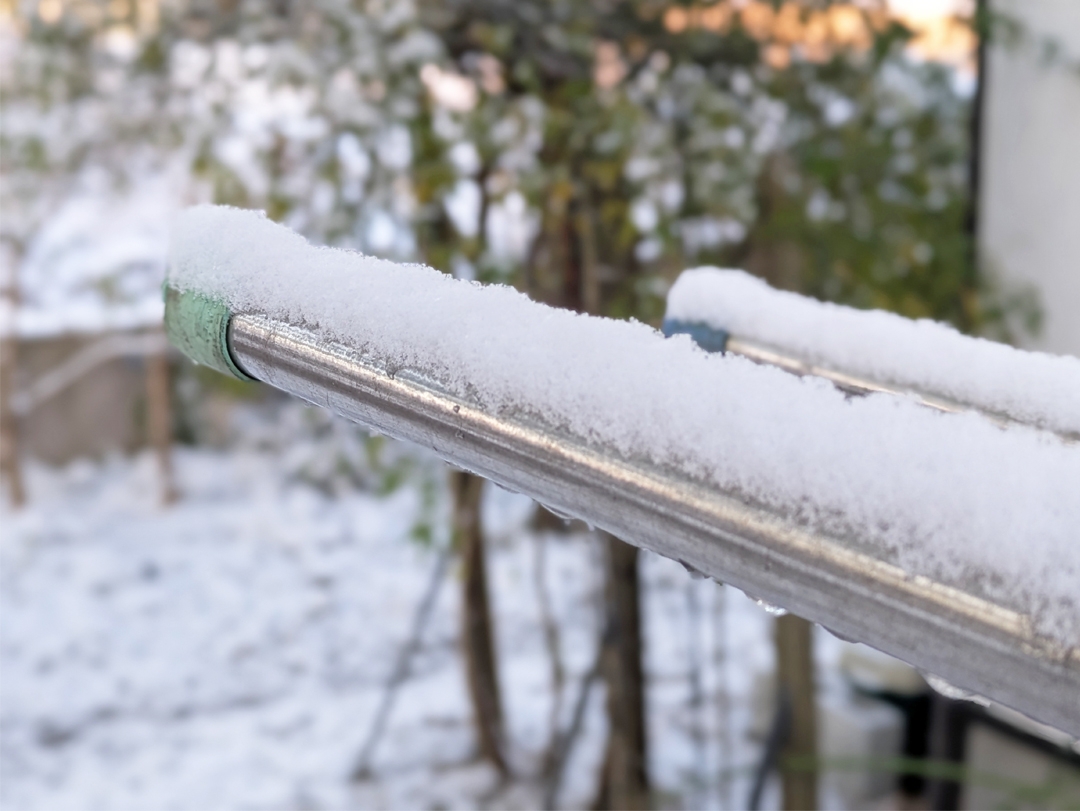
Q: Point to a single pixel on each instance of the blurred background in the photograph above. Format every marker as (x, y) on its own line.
(215, 597)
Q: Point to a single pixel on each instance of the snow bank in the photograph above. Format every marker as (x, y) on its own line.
(925, 356)
(951, 496)
(230, 652)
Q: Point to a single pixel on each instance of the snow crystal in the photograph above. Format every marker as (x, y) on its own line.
(956, 497)
(926, 356)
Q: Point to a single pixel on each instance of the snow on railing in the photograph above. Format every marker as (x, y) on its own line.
(943, 538)
(878, 350)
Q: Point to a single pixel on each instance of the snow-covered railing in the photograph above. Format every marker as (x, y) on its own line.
(867, 351)
(945, 539)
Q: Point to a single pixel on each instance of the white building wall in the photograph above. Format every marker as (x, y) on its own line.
(1029, 229)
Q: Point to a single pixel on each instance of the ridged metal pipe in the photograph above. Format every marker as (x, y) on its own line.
(972, 643)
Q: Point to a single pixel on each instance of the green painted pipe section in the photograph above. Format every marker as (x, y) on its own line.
(198, 325)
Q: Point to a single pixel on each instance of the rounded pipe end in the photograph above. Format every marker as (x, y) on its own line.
(198, 325)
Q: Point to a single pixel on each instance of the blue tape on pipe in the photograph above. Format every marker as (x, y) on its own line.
(708, 338)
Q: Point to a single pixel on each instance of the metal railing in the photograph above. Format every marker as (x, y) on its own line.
(973, 643)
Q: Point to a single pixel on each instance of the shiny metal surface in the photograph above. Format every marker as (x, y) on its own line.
(972, 643)
(856, 385)
(759, 353)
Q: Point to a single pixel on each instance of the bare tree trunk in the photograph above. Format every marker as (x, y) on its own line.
(780, 264)
(477, 638)
(795, 678)
(10, 466)
(589, 282)
(564, 743)
(723, 697)
(624, 783)
(554, 650)
(159, 421)
(362, 769)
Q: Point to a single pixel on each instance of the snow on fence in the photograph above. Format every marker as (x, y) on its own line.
(84, 361)
(946, 539)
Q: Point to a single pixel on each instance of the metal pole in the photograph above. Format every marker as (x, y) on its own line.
(853, 384)
(967, 640)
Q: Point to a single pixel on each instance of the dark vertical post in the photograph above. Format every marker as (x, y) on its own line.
(983, 30)
(478, 641)
(626, 777)
(795, 681)
(948, 719)
(948, 735)
(624, 783)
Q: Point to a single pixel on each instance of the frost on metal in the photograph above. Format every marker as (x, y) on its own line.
(954, 497)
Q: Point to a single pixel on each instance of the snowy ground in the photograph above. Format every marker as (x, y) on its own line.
(229, 651)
